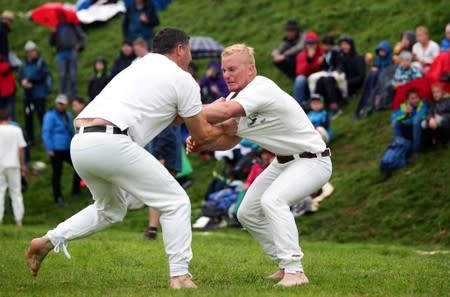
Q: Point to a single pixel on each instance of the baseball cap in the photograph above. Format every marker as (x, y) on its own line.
(30, 45)
(317, 97)
(62, 99)
(8, 14)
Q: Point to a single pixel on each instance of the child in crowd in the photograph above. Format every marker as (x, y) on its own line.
(406, 121)
(12, 164)
(445, 43)
(405, 71)
(319, 117)
(99, 79)
(425, 50)
(438, 120)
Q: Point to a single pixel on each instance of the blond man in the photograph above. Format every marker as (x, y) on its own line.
(271, 118)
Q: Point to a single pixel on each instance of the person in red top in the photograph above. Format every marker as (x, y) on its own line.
(308, 61)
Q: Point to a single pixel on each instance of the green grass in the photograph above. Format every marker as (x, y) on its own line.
(362, 242)
(226, 263)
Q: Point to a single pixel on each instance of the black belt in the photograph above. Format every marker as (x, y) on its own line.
(308, 155)
(102, 129)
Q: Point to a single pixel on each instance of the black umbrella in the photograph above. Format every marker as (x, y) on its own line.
(205, 47)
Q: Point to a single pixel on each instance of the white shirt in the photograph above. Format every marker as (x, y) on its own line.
(275, 121)
(11, 139)
(146, 97)
(426, 54)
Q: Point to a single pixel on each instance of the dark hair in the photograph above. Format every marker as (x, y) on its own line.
(79, 100)
(411, 91)
(328, 39)
(167, 39)
(4, 114)
(292, 25)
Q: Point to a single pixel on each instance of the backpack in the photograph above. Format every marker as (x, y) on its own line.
(395, 155)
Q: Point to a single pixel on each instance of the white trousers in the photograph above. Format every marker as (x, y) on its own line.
(10, 178)
(111, 162)
(265, 211)
(338, 76)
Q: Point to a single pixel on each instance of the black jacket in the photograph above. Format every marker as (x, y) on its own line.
(4, 45)
(442, 108)
(121, 63)
(353, 65)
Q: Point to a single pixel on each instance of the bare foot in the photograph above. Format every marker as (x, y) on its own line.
(291, 279)
(279, 274)
(182, 282)
(36, 252)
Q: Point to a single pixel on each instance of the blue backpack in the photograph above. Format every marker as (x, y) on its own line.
(395, 155)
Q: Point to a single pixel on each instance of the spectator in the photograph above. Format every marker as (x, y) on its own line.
(408, 39)
(212, 85)
(307, 62)
(284, 56)
(438, 121)
(406, 121)
(319, 117)
(7, 86)
(57, 133)
(33, 78)
(99, 79)
(139, 21)
(12, 164)
(352, 64)
(166, 147)
(140, 48)
(78, 104)
(405, 71)
(445, 43)
(125, 58)
(68, 39)
(5, 26)
(424, 50)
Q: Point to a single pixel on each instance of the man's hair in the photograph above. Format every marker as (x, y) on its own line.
(167, 39)
(79, 100)
(4, 114)
(422, 29)
(411, 91)
(246, 51)
(140, 42)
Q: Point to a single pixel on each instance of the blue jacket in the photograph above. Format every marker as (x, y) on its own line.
(36, 72)
(319, 119)
(445, 44)
(418, 113)
(57, 132)
(383, 62)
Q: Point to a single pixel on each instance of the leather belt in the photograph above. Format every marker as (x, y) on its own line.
(307, 155)
(102, 129)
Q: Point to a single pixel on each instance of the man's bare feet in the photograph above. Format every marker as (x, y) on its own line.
(279, 274)
(182, 282)
(291, 279)
(36, 252)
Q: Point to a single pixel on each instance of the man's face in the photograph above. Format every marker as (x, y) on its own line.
(291, 34)
(413, 99)
(185, 56)
(140, 50)
(77, 107)
(61, 107)
(32, 54)
(421, 36)
(236, 72)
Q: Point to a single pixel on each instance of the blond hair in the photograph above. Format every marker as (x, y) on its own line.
(246, 52)
(422, 29)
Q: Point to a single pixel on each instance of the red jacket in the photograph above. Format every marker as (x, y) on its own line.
(7, 79)
(304, 65)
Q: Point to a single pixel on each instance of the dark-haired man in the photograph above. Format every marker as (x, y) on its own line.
(108, 152)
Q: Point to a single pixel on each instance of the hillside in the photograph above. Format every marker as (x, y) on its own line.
(411, 208)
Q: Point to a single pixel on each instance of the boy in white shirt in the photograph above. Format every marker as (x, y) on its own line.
(12, 164)
(424, 50)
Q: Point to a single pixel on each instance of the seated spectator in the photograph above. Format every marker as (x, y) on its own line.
(212, 85)
(99, 79)
(406, 121)
(33, 78)
(383, 59)
(284, 56)
(12, 164)
(139, 21)
(352, 64)
(424, 50)
(438, 120)
(307, 62)
(140, 48)
(57, 133)
(319, 117)
(124, 60)
(407, 40)
(445, 43)
(405, 71)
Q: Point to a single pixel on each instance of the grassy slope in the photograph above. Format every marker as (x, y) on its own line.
(410, 208)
